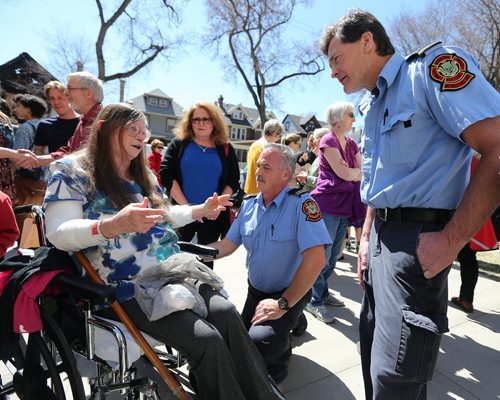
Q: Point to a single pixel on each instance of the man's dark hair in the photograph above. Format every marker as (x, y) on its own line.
(351, 26)
(37, 105)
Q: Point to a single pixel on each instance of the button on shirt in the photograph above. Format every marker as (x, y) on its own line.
(412, 152)
(275, 238)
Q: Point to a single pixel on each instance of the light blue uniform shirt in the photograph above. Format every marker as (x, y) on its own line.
(412, 152)
(275, 237)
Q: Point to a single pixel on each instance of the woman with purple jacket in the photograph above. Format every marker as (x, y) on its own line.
(337, 194)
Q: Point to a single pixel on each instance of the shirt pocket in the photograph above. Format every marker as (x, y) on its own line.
(282, 236)
(247, 233)
(399, 140)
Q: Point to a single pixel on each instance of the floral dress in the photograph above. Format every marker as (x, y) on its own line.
(6, 177)
(117, 260)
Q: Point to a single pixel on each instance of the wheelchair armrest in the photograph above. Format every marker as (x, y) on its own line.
(84, 288)
(23, 209)
(198, 249)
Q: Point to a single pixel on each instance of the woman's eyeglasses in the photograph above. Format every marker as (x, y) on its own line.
(159, 147)
(203, 121)
(351, 114)
(134, 130)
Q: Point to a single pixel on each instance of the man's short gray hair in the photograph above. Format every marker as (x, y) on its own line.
(288, 159)
(89, 81)
(334, 113)
(271, 126)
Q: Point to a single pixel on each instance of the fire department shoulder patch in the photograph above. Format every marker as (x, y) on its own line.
(450, 71)
(311, 210)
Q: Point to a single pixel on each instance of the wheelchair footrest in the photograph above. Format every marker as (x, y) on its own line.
(136, 383)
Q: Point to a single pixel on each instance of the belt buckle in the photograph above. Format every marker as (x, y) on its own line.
(383, 214)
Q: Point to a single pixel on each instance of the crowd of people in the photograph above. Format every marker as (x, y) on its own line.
(405, 188)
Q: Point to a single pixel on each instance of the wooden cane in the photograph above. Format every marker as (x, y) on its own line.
(166, 375)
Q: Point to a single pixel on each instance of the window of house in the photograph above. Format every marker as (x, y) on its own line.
(238, 115)
(170, 125)
(238, 133)
(153, 101)
(163, 103)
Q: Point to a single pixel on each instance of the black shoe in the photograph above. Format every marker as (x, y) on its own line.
(278, 375)
(300, 326)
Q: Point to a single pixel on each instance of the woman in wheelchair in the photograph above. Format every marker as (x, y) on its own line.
(104, 201)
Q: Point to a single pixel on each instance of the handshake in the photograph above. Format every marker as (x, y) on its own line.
(21, 158)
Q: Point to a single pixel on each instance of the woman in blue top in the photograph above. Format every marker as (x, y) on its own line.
(103, 200)
(199, 162)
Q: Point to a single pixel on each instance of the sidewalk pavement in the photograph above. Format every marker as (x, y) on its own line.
(326, 365)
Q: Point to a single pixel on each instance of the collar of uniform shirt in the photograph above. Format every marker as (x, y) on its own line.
(277, 200)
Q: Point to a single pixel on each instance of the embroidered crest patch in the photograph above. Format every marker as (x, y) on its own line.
(450, 71)
(311, 210)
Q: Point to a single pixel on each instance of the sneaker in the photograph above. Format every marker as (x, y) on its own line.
(321, 313)
(331, 300)
(301, 326)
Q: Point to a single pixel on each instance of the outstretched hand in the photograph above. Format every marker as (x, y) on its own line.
(215, 204)
(136, 217)
(25, 159)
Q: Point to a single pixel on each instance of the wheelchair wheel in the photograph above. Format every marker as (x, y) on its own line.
(41, 365)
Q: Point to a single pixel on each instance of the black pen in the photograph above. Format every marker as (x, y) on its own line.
(272, 229)
(386, 114)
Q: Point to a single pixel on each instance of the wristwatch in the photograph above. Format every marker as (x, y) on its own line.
(283, 303)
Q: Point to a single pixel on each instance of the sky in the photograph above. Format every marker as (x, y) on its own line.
(194, 74)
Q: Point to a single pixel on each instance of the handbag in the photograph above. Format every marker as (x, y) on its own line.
(28, 189)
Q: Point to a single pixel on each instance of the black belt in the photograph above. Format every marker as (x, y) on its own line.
(419, 215)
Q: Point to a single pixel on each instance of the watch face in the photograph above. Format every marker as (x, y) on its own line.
(282, 303)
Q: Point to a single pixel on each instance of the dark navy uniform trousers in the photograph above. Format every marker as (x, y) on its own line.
(403, 314)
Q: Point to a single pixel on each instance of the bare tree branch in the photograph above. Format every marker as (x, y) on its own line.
(473, 25)
(248, 34)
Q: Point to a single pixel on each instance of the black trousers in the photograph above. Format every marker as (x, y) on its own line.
(403, 314)
(272, 338)
(223, 359)
(469, 271)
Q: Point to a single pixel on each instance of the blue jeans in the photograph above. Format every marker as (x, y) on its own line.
(337, 227)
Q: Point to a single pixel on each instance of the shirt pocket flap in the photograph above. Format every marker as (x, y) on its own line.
(282, 235)
(391, 120)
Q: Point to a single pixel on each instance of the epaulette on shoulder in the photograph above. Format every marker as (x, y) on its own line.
(249, 196)
(298, 192)
(421, 53)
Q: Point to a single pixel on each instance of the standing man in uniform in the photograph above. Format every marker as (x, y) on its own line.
(423, 114)
(271, 133)
(85, 94)
(284, 235)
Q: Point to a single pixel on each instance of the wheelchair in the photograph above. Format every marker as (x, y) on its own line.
(43, 364)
